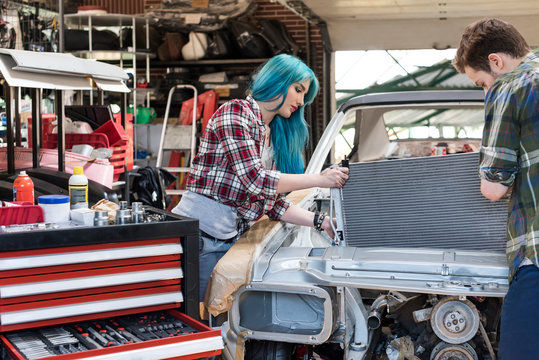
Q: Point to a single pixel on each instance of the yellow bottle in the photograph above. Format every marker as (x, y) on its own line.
(78, 189)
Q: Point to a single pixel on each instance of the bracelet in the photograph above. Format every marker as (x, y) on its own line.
(318, 220)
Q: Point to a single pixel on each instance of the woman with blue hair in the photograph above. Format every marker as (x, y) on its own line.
(249, 157)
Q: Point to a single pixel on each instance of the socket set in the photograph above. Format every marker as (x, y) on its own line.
(125, 215)
(97, 334)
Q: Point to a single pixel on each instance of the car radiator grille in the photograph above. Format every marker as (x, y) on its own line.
(422, 202)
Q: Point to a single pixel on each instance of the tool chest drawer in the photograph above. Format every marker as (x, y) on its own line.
(165, 334)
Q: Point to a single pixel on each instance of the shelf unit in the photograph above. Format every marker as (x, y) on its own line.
(124, 55)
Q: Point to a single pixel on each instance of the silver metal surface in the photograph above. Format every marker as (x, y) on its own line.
(123, 216)
(432, 271)
(432, 202)
(306, 308)
(137, 213)
(101, 218)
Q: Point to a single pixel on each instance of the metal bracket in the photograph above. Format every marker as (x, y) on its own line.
(336, 210)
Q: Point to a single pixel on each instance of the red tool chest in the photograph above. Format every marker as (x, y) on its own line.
(110, 292)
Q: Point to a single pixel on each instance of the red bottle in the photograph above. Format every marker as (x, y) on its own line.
(23, 188)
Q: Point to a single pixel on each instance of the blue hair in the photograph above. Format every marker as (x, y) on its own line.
(288, 136)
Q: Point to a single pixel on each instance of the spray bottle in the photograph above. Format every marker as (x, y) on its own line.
(23, 188)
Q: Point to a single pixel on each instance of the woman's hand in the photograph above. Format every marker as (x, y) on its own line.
(334, 177)
(331, 177)
(326, 226)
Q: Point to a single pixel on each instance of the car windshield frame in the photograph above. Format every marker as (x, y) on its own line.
(442, 98)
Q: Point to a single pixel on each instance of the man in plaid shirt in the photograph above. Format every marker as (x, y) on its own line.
(495, 56)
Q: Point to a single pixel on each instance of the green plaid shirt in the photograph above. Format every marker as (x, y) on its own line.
(510, 155)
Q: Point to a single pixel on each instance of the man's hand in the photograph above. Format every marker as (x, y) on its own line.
(493, 191)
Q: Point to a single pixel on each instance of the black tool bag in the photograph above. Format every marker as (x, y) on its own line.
(249, 38)
(101, 40)
(220, 45)
(278, 37)
(149, 186)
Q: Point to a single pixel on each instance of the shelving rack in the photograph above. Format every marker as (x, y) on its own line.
(122, 55)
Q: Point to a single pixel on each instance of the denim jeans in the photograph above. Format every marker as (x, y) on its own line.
(211, 251)
(519, 333)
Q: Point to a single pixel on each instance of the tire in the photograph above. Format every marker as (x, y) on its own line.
(268, 350)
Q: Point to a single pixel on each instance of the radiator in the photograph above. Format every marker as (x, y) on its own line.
(422, 202)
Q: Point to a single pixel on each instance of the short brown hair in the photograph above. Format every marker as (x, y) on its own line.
(485, 37)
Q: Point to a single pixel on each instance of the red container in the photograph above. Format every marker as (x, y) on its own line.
(23, 188)
(98, 140)
(47, 126)
(129, 132)
(25, 214)
(114, 132)
(95, 140)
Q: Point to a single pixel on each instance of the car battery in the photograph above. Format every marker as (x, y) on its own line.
(126, 291)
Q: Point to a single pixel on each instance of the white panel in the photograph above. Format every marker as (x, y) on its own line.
(55, 312)
(45, 287)
(166, 351)
(24, 262)
(64, 63)
(39, 80)
(107, 85)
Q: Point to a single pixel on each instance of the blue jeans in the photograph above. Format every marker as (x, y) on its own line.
(211, 251)
(519, 333)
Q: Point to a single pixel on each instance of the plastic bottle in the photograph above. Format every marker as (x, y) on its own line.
(23, 188)
(78, 189)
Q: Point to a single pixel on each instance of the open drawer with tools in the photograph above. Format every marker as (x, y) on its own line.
(147, 335)
(109, 292)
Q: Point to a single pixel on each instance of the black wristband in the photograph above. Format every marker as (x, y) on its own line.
(319, 220)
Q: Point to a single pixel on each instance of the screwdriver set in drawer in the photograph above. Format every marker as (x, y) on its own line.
(123, 335)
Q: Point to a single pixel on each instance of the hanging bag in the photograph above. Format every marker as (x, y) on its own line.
(250, 42)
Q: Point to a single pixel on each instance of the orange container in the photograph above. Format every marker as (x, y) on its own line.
(23, 188)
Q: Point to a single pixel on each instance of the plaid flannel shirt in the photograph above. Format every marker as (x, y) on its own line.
(228, 167)
(510, 155)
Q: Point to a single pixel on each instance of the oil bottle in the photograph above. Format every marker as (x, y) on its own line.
(78, 189)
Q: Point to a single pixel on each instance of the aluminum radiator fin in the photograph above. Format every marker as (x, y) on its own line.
(422, 202)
